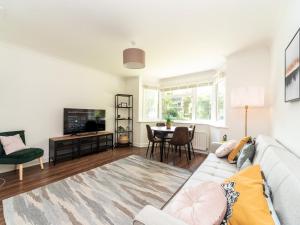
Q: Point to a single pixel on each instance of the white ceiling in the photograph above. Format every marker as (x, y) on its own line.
(179, 37)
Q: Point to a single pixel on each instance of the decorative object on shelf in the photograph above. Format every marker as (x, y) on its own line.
(224, 137)
(168, 122)
(121, 129)
(123, 104)
(134, 58)
(292, 69)
(247, 96)
(123, 139)
(123, 119)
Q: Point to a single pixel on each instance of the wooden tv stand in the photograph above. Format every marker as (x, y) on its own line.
(74, 146)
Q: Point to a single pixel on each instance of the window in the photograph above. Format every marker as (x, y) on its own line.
(150, 103)
(177, 104)
(203, 102)
(197, 102)
(220, 98)
(188, 103)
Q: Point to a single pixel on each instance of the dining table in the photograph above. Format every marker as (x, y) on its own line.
(163, 133)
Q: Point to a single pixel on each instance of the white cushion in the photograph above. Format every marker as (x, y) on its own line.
(204, 204)
(12, 144)
(226, 148)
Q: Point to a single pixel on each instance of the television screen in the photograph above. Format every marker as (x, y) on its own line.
(83, 120)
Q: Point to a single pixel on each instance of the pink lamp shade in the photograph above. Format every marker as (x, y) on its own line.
(134, 58)
(248, 96)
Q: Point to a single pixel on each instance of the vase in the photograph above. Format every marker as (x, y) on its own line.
(168, 125)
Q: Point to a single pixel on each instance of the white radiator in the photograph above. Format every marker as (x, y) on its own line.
(201, 140)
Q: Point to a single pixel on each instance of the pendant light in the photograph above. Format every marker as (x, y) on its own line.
(134, 58)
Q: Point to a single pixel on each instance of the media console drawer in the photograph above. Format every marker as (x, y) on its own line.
(74, 146)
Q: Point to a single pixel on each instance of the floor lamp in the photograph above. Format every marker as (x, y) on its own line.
(247, 97)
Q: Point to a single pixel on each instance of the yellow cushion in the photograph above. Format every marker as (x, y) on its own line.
(251, 207)
(237, 149)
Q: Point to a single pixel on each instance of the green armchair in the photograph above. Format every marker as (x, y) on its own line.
(20, 157)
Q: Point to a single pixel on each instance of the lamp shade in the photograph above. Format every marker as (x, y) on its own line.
(134, 58)
(248, 96)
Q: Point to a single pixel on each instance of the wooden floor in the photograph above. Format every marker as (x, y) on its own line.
(34, 177)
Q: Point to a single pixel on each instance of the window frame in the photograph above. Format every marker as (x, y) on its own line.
(158, 102)
(214, 101)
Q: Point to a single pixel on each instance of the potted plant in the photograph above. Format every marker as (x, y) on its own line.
(168, 122)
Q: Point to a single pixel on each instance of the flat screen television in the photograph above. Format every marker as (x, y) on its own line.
(83, 120)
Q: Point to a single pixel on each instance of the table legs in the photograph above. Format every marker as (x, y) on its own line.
(162, 144)
(189, 151)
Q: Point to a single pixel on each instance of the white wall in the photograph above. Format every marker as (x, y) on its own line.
(205, 76)
(285, 116)
(249, 67)
(34, 89)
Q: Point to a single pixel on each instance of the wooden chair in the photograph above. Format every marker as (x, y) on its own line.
(180, 139)
(20, 157)
(152, 140)
(192, 135)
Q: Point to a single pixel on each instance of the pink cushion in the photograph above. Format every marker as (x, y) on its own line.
(204, 204)
(12, 143)
(225, 148)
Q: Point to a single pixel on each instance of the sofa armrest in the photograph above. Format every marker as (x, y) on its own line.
(214, 146)
(152, 216)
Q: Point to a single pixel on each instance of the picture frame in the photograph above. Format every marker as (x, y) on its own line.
(292, 69)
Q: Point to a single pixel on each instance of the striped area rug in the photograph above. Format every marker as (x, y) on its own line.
(110, 194)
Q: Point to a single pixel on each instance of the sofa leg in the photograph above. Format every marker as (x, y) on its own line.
(20, 171)
(41, 162)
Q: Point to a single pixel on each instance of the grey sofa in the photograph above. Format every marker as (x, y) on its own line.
(280, 166)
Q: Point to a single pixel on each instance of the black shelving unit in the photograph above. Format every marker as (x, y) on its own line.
(123, 117)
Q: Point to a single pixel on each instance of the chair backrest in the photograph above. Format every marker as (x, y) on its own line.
(161, 124)
(149, 133)
(180, 136)
(193, 132)
(12, 133)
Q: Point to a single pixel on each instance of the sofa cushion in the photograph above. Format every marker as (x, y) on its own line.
(251, 207)
(233, 154)
(247, 152)
(225, 148)
(262, 143)
(268, 196)
(22, 156)
(246, 164)
(212, 169)
(281, 168)
(204, 204)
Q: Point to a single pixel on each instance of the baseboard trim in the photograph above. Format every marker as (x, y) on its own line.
(140, 145)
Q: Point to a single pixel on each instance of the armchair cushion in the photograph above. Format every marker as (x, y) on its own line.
(11, 133)
(12, 144)
(22, 156)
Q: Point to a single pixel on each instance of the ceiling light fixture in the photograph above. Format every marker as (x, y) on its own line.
(134, 58)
